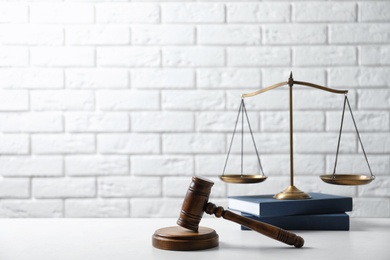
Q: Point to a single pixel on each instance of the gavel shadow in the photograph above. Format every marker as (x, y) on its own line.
(256, 248)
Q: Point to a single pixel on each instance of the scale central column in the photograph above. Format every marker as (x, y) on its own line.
(292, 192)
(291, 137)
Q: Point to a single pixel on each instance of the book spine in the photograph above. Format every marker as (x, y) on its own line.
(308, 207)
(306, 222)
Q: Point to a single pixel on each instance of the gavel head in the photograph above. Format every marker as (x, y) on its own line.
(194, 203)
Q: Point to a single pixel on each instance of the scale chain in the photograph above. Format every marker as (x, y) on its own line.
(242, 110)
(346, 101)
(338, 143)
(253, 139)
(234, 132)
(358, 134)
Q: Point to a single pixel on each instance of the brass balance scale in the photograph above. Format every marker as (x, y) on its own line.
(292, 192)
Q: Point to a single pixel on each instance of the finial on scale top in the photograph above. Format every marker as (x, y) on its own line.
(291, 80)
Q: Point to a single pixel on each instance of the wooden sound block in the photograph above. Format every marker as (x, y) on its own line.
(180, 239)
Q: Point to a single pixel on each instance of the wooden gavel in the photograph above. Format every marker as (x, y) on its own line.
(196, 202)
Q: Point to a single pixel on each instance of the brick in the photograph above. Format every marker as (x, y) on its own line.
(96, 78)
(162, 122)
(31, 208)
(224, 121)
(377, 121)
(324, 12)
(304, 164)
(295, 34)
(359, 33)
(324, 142)
(13, 100)
(376, 142)
(162, 165)
(64, 100)
(61, 13)
(96, 122)
(13, 13)
(374, 99)
(324, 55)
(128, 99)
(97, 35)
(163, 35)
(62, 143)
(303, 121)
(258, 12)
(371, 207)
(374, 11)
(229, 34)
(378, 188)
(193, 143)
(228, 78)
(258, 56)
(14, 188)
(14, 144)
(155, 207)
(272, 76)
(192, 13)
(178, 186)
(316, 99)
(359, 77)
(273, 164)
(31, 166)
(112, 187)
(128, 143)
(193, 100)
(63, 187)
(31, 34)
(128, 13)
(13, 56)
(62, 56)
(96, 208)
(193, 56)
(31, 78)
(280, 164)
(266, 143)
(128, 56)
(91, 165)
(375, 55)
(163, 78)
(31, 122)
(356, 164)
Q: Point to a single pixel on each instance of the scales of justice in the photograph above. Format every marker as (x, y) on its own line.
(188, 235)
(292, 192)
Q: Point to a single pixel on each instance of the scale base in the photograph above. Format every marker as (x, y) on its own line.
(180, 239)
(292, 193)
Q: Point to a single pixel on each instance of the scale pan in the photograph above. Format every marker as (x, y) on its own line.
(347, 179)
(238, 178)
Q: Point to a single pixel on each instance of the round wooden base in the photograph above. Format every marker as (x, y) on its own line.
(180, 239)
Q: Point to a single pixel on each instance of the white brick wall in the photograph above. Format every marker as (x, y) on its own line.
(107, 108)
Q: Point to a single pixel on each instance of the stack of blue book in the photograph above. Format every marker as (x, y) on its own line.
(321, 212)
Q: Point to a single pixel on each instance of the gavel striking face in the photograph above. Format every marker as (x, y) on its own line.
(196, 202)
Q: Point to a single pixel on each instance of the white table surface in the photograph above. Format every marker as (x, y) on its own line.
(130, 239)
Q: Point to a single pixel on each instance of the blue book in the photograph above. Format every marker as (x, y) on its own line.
(336, 221)
(266, 205)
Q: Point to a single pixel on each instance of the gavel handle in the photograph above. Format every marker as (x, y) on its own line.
(261, 227)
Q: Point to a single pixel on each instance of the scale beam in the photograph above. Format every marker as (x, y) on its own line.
(281, 84)
(292, 192)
